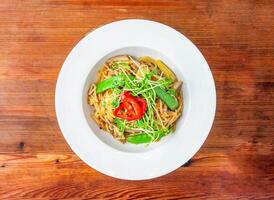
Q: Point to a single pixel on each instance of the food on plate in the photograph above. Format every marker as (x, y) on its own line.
(136, 100)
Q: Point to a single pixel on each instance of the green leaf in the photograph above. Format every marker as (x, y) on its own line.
(121, 124)
(172, 92)
(165, 83)
(145, 138)
(139, 139)
(117, 91)
(115, 103)
(169, 100)
(139, 123)
(150, 74)
(109, 83)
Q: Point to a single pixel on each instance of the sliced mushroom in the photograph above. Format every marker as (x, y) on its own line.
(135, 62)
(148, 61)
(133, 131)
(117, 58)
(177, 85)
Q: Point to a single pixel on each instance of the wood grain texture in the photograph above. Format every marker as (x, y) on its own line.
(236, 38)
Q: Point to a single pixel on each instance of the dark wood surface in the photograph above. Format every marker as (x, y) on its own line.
(237, 159)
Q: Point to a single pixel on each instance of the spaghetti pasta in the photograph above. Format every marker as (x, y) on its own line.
(141, 79)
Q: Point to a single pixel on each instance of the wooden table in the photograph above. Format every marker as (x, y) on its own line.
(236, 38)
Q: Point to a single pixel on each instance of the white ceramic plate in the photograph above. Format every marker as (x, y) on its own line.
(138, 38)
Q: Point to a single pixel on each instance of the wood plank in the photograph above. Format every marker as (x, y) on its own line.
(237, 159)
